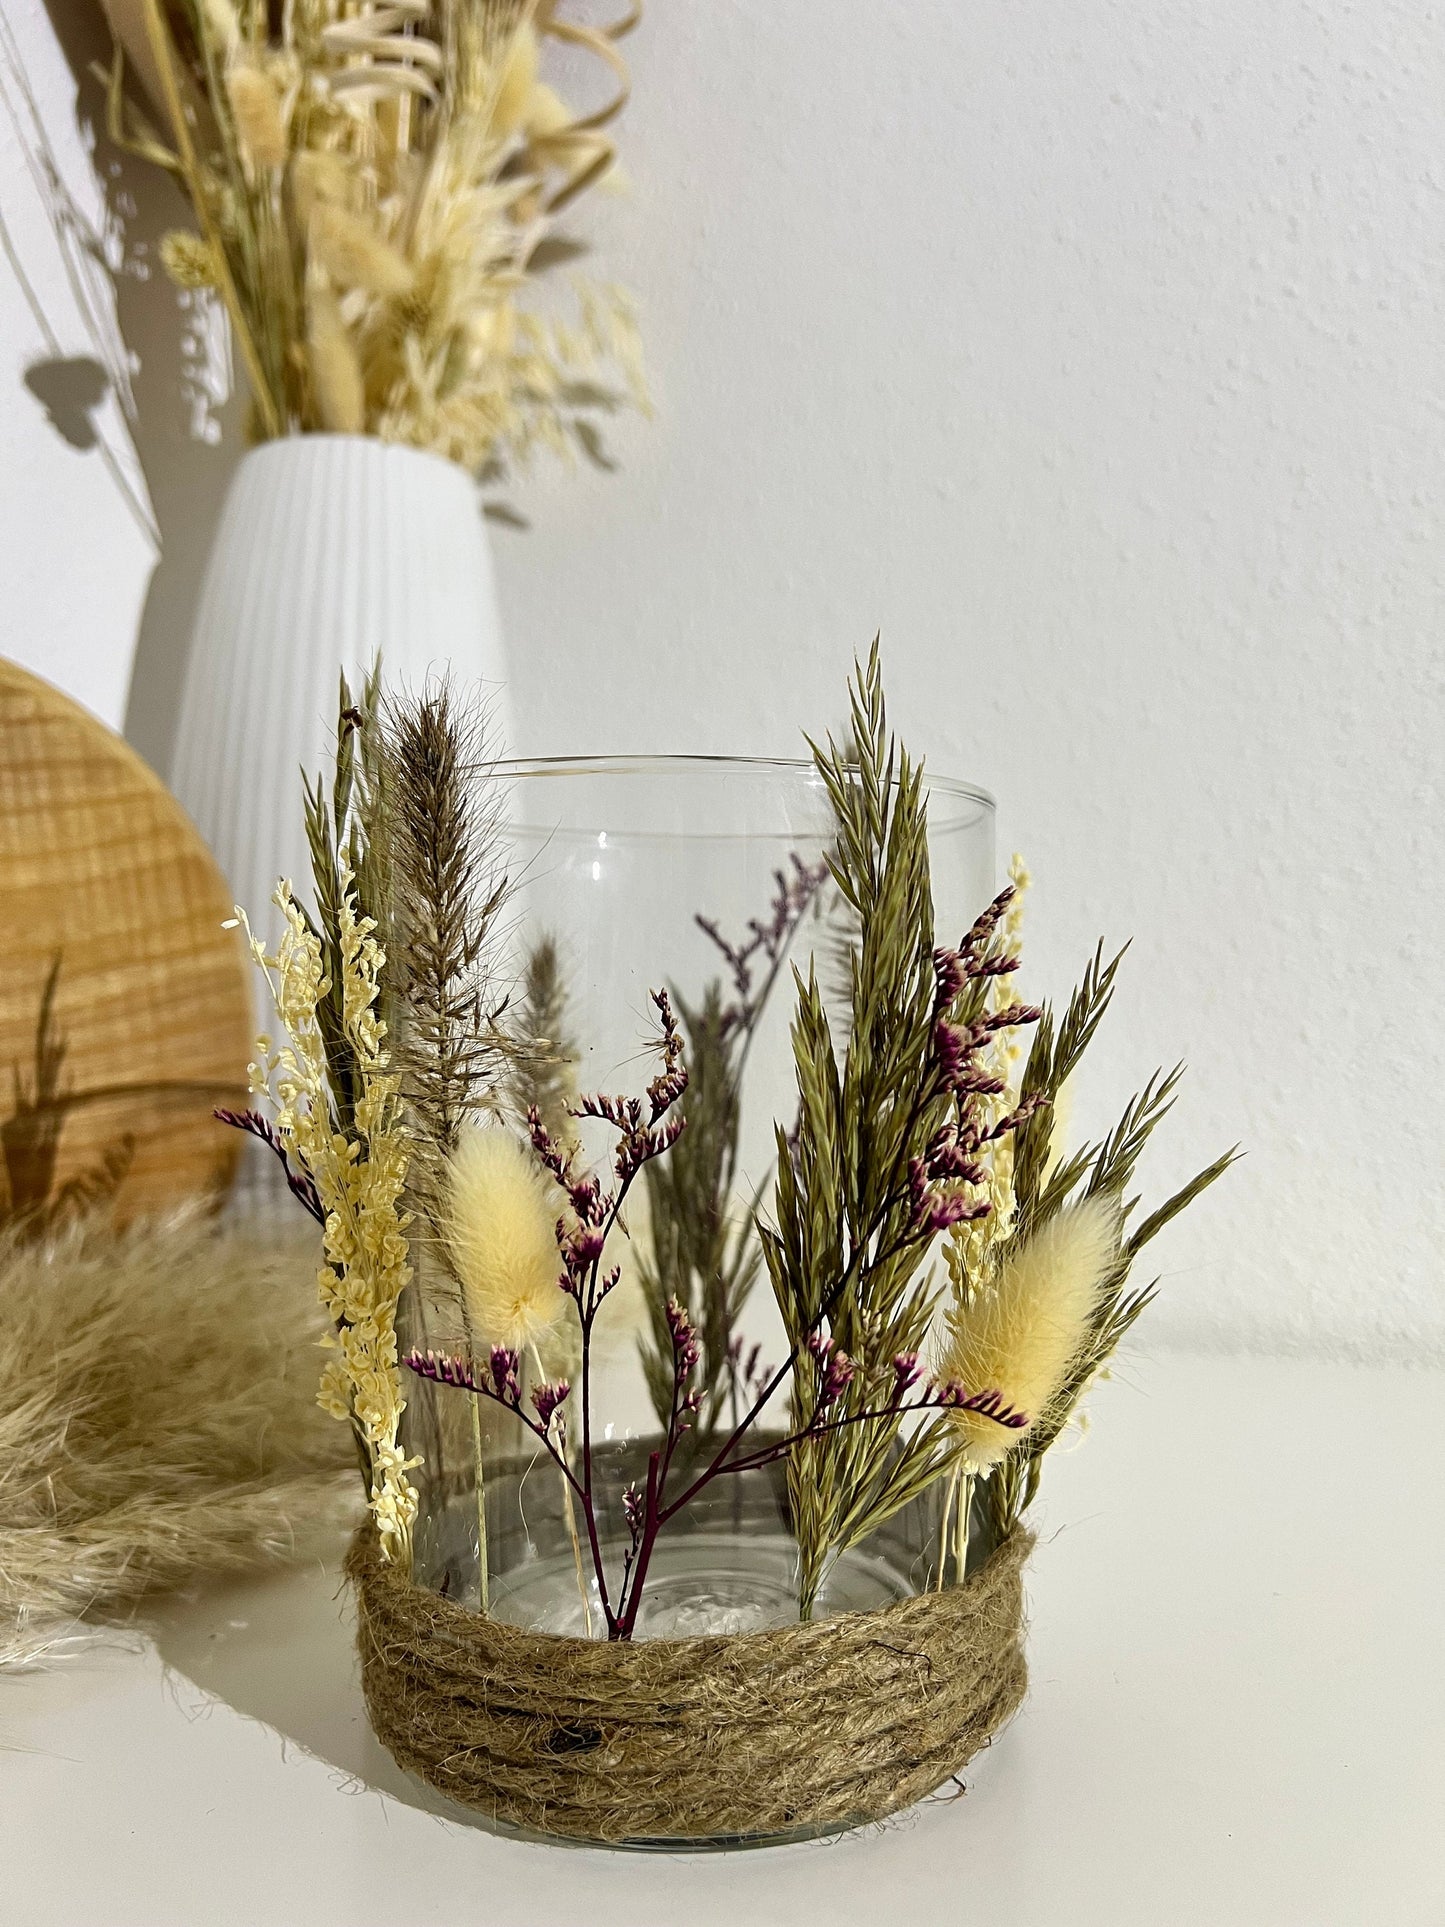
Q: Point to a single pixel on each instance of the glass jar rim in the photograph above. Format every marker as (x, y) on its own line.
(670, 765)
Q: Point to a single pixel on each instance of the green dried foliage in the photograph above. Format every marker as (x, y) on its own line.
(703, 1250)
(1105, 1169)
(702, 1253)
(448, 891)
(543, 1070)
(845, 1256)
(348, 818)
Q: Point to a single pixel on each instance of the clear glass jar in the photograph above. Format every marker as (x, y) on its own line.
(705, 877)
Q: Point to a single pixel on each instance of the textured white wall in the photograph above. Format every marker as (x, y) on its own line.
(1093, 353)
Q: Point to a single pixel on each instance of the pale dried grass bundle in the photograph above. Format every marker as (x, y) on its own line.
(158, 1418)
(377, 189)
(1026, 1331)
(501, 1208)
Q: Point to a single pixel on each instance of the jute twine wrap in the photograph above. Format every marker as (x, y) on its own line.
(827, 1724)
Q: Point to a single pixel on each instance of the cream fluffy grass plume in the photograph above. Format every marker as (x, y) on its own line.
(500, 1218)
(1022, 1334)
(158, 1419)
(377, 190)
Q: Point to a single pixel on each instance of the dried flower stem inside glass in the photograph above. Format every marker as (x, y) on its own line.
(707, 879)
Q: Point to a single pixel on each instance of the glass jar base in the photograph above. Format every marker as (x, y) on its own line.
(706, 1583)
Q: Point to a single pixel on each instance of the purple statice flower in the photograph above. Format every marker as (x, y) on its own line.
(546, 1399)
(671, 1081)
(944, 1208)
(953, 1397)
(949, 976)
(906, 1373)
(435, 1365)
(952, 1047)
(837, 1377)
(581, 1245)
(504, 1365)
(299, 1180)
(686, 1346)
(836, 1370)
(793, 891)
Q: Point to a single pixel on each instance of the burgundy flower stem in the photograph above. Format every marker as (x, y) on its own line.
(622, 1622)
(639, 1557)
(457, 1372)
(654, 1517)
(588, 1320)
(789, 1364)
(792, 897)
(657, 1513)
(895, 1196)
(299, 1181)
(989, 1403)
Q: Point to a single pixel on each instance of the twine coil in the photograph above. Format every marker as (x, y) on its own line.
(809, 1727)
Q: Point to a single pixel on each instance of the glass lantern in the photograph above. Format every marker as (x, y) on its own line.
(705, 878)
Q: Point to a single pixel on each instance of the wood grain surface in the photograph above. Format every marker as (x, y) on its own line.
(108, 895)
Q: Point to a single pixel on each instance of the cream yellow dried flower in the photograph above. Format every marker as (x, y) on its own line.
(187, 259)
(412, 158)
(500, 1213)
(518, 81)
(1021, 1334)
(354, 255)
(548, 114)
(316, 176)
(335, 371)
(256, 110)
(359, 1178)
(222, 24)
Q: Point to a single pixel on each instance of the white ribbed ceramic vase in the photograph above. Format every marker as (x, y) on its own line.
(330, 548)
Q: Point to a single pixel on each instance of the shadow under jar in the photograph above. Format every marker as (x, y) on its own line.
(707, 878)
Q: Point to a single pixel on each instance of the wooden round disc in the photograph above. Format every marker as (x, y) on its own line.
(125, 1007)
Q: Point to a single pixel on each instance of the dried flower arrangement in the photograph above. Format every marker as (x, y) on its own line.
(377, 188)
(703, 1254)
(434, 1130)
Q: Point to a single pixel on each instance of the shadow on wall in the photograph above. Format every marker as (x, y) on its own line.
(70, 388)
(186, 435)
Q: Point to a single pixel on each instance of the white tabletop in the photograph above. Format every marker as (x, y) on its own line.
(1237, 1715)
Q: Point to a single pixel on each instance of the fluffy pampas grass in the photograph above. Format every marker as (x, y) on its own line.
(1022, 1335)
(158, 1419)
(501, 1212)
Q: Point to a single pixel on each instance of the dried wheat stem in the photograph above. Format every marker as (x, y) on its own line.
(160, 42)
(483, 1575)
(950, 1498)
(569, 1511)
(962, 1523)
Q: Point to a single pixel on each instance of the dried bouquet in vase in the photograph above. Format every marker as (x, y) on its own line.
(947, 1277)
(377, 189)
(386, 197)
